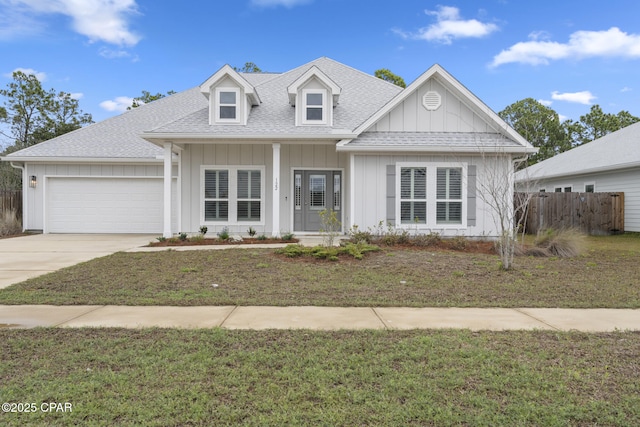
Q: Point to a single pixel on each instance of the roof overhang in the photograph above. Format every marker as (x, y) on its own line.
(161, 138)
(431, 149)
(537, 176)
(124, 160)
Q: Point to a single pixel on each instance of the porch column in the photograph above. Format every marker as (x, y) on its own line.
(275, 199)
(167, 189)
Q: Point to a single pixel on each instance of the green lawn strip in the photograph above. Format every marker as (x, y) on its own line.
(606, 275)
(221, 377)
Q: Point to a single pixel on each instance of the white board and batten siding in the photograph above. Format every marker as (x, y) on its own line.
(452, 116)
(292, 156)
(372, 188)
(626, 181)
(102, 198)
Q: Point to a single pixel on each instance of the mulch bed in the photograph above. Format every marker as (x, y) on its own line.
(213, 241)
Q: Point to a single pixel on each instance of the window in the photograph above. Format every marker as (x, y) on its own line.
(314, 106)
(228, 103)
(433, 195)
(216, 195)
(449, 196)
(233, 194)
(413, 195)
(589, 188)
(337, 197)
(249, 192)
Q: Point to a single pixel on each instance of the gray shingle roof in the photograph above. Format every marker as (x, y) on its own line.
(471, 140)
(617, 150)
(118, 137)
(186, 112)
(362, 95)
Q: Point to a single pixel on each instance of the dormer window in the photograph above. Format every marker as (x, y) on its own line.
(227, 104)
(314, 107)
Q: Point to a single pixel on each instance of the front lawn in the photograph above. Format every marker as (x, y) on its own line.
(606, 275)
(156, 377)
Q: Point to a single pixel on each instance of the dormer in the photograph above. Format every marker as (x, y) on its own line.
(314, 95)
(230, 97)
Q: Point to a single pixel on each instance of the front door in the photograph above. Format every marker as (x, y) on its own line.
(315, 191)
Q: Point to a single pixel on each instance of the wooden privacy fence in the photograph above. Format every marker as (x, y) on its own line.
(592, 213)
(11, 201)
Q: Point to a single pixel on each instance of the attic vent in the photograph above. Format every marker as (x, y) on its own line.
(431, 100)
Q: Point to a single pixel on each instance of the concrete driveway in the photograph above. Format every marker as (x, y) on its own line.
(24, 257)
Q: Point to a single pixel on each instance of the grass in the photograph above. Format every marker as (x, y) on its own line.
(161, 377)
(605, 275)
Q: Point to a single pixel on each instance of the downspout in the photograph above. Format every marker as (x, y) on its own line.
(24, 193)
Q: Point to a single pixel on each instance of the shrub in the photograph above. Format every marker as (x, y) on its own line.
(356, 235)
(431, 239)
(204, 229)
(251, 231)
(182, 236)
(161, 239)
(331, 253)
(224, 234)
(564, 243)
(458, 243)
(330, 226)
(261, 237)
(10, 224)
(287, 237)
(197, 239)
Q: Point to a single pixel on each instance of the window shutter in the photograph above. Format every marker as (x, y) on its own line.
(471, 195)
(391, 194)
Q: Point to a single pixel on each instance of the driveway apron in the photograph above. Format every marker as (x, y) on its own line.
(22, 258)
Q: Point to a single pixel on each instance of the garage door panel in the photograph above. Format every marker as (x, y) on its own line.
(105, 205)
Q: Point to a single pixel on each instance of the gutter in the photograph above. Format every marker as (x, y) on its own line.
(610, 168)
(434, 149)
(41, 159)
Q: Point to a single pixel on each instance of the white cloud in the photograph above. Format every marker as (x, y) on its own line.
(40, 75)
(545, 102)
(99, 20)
(626, 89)
(275, 3)
(77, 95)
(585, 97)
(119, 104)
(581, 44)
(449, 26)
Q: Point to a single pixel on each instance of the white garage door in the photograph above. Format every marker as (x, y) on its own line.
(104, 205)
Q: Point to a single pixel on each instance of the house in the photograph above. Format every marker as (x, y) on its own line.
(271, 151)
(608, 164)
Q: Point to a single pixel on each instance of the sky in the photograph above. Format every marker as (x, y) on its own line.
(567, 54)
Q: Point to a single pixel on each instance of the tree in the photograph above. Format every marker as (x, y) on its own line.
(538, 124)
(34, 115)
(596, 124)
(388, 76)
(146, 98)
(249, 67)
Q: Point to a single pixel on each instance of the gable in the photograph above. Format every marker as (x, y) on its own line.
(451, 115)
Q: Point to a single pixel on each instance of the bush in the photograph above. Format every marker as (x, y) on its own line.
(203, 230)
(356, 235)
(331, 253)
(251, 231)
(564, 243)
(287, 237)
(224, 234)
(182, 236)
(10, 224)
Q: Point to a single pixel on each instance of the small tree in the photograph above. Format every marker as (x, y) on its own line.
(330, 226)
(388, 76)
(496, 190)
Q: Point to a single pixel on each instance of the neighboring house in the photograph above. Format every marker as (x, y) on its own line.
(607, 164)
(271, 151)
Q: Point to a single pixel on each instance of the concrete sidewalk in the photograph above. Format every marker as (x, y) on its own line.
(319, 318)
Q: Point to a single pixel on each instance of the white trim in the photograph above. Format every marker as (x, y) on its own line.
(352, 189)
(45, 183)
(217, 104)
(429, 149)
(275, 199)
(431, 221)
(167, 177)
(324, 106)
(593, 183)
(233, 195)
